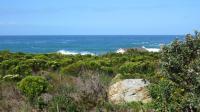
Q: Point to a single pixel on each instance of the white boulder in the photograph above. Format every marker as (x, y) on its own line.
(129, 90)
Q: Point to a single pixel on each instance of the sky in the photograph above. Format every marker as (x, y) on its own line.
(99, 17)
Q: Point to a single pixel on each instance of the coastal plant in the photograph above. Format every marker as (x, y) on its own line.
(73, 69)
(76, 68)
(180, 64)
(1, 58)
(79, 82)
(36, 64)
(162, 93)
(7, 64)
(41, 57)
(66, 61)
(53, 65)
(92, 89)
(21, 69)
(127, 107)
(63, 103)
(137, 67)
(33, 86)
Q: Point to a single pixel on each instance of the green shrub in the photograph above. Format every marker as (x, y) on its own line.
(6, 64)
(66, 61)
(107, 70)
(63, 104)
(180, 64)
(53, 65)
(40, 56)
(33, 86)
(137, 67)
(73, 69)
(21, 69)
(92, 65)
(40, 103)
(36, 64)
(1, 58)
(162, 95)
(127, 107)
(76, 68)
(104, 62)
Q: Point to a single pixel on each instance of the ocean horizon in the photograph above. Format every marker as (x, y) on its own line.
(82, 44)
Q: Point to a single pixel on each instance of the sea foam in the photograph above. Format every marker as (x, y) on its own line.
(151, 49)
(74, 53)
(120, 50)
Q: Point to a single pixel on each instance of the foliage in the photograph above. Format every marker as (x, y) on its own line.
(164, 99)
(92, 89)
(73, 69)
(11, 77)
(33, 86)
(127, 107)
(180, 65)
(78, 82)
(137, 67)
(63, 104)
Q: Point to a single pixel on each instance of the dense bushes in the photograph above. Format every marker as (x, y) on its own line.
(33, 86)
(26, 64)
(180, 90)
(76, 68)
(63, 104)
(73, 69)
(137, 67)
(78, 82)
(164, 99)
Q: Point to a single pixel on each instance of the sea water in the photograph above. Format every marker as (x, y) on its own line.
(83, 44)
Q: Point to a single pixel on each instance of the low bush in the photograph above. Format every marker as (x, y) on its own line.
(66, 61)
(137, 67)
(36, 64)
(73, 69)
(53, 65)
(33, 86)
(162, 95)
(78, 82)
(63, 104)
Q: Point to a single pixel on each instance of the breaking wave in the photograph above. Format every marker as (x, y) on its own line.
(121, 50)
(151, 49)
(74, 53)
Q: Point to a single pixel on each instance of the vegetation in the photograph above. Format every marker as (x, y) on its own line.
(180, 66)
(79, 83)
(33, 86)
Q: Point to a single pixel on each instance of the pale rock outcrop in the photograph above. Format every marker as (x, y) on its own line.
(129, 90)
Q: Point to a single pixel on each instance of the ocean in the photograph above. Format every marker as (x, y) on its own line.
(82, 44)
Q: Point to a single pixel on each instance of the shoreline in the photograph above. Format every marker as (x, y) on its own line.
(120, 50)
(71, 52)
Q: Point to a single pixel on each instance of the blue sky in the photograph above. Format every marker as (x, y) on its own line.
(99, 17)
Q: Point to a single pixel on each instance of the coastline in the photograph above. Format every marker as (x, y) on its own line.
(120, 50)
(94, 45)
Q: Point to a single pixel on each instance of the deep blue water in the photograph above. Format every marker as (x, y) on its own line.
(81, 44)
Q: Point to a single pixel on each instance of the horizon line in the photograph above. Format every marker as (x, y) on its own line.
(96, 35)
